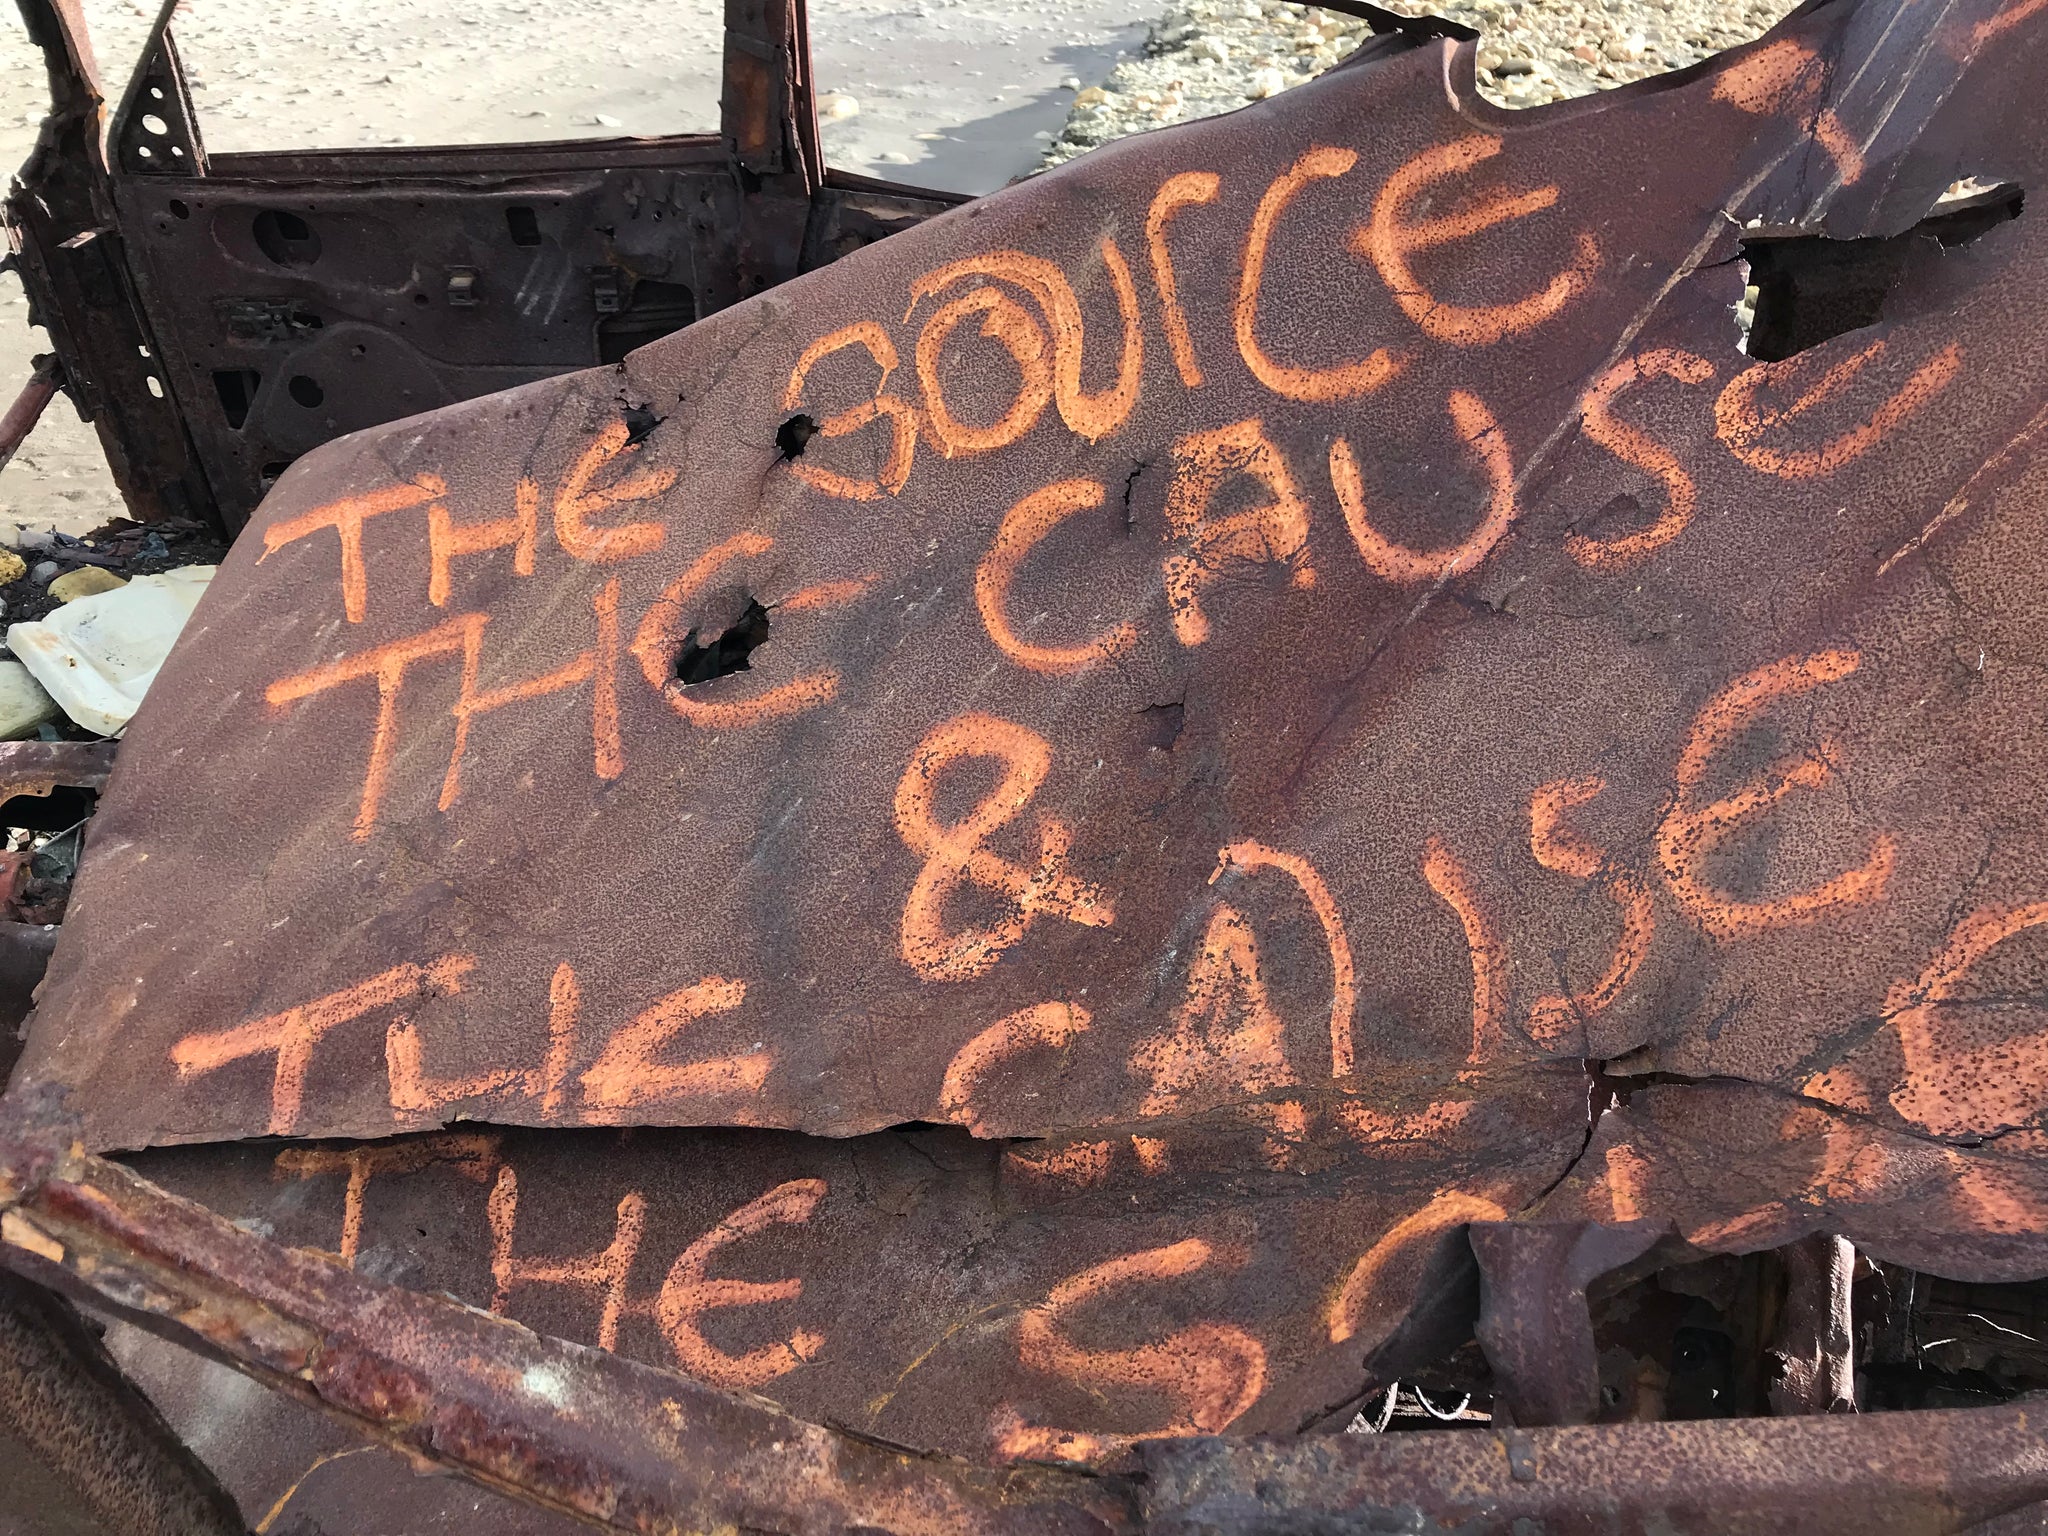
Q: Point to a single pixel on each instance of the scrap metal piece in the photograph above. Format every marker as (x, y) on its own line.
(1035, 1299)
(571, 1428)
(1894, 1474)
(80, 1444)
(37, 767)
(21, 417)
(1533, 1321)
(759, 683)
(1815, 1347)
(641, 1450)
(71, 250)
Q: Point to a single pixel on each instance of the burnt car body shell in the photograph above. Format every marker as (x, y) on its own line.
(219, 315)
(1373, 795)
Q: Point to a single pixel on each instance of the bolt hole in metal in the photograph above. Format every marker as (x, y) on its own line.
(306, 391)
(155, 124)
(178, 209)
(156, 386)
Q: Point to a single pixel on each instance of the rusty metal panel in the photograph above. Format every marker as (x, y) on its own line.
(577, 1430)
(1249, 659)
(634, 1449)
(1035, 1300)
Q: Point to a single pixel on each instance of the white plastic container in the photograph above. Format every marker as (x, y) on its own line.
(98, 655)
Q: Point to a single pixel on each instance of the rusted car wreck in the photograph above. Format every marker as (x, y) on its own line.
(1367, 766)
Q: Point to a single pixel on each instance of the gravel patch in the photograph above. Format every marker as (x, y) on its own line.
(1210, 56)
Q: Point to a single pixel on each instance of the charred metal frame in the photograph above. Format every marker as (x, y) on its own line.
(199, 302)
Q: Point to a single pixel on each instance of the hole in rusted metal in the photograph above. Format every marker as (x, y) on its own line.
(285, 238)
(522, 224)
(726, 653)
(178, 209)
(236, 388)
(640, 424)
(1809, 288)
(654, 310)
(1162, 724)
(306, 391)
(794, 436)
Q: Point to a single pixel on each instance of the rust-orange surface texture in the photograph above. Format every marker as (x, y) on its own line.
(1270, 651)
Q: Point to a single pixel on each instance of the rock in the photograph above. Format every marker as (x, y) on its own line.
(24, 704)
(98, 655)
(30, 540)
(603, 120)
(84, 582)
(1266, 82)
(893, 157)
(44, 572)
(1531, 52)
(12, 567)
(835, 107)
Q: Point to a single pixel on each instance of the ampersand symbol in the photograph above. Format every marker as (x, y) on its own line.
(955, 856)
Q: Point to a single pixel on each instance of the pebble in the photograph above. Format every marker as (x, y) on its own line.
(12, 567)
(86, 581)
(44, 571)
(1209, 56)
(836, 106)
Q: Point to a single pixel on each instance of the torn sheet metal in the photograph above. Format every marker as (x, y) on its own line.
(635, 1449)
(574, 1429)
(1035, 1301)
(1019, 681)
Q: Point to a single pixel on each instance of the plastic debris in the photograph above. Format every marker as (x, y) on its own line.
(98, 655)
